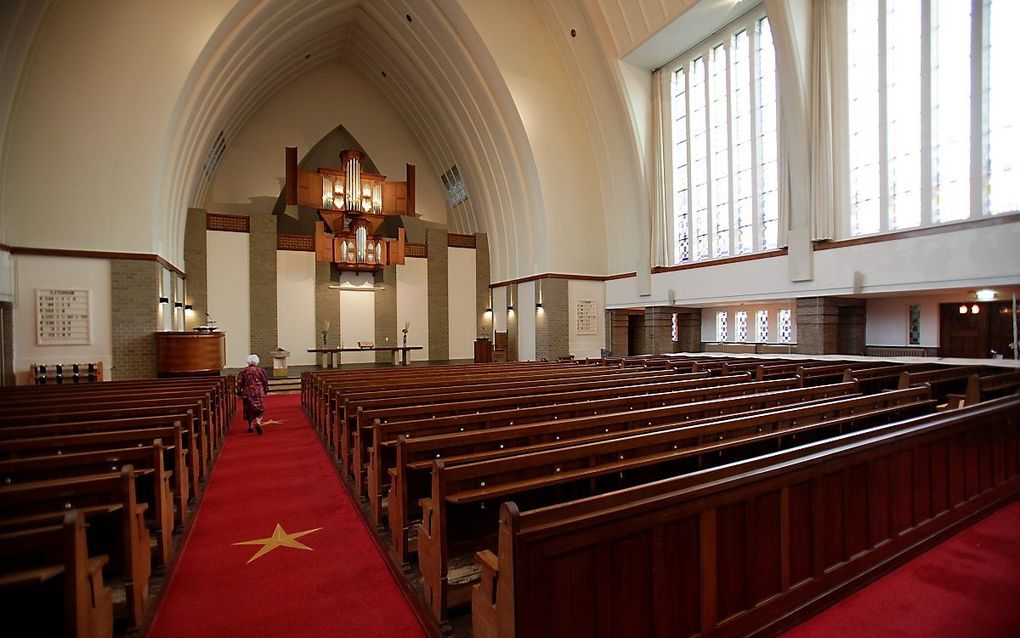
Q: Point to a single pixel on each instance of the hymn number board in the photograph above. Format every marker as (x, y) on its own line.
(587, 320)
(62, 317)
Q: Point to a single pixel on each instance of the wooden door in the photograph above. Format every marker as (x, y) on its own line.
(1000, 334)
(964, 334)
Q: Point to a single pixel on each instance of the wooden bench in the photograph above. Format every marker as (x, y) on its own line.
(885, 377)
(983, 388)
(464, 498)
(753, 547)
(96, 495)
(36, 557)
(943, 380)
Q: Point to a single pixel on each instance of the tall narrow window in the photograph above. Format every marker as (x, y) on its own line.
(903, 82)
(721, 326)
(761, 326)
(914, 319)
(699, 159)
(950, 60)
(743, 205)
(768, 150)
(785, 320)
(676, 327)
(718, 94)
(741, 326)
(862, 85)
(681, 220)
(1003, 132)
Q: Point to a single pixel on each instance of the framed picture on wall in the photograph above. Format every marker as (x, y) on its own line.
(62, 317)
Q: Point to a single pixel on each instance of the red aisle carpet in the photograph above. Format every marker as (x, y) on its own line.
(968, 586)
(339, 586)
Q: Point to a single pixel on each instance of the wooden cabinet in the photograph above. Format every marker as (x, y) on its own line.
(190, 353)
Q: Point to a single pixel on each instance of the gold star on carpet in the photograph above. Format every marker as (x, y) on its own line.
(280, 538)
(272, 422)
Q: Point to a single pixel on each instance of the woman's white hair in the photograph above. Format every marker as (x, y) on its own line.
(253, 359)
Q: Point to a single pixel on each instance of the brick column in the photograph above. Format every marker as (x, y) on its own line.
(552, 321)
(196, 286)
(617, 333)
(512, 330)
(659, 329)
(262, 285)
(828, 325)
(327, 307)
(134, 304)
(386, 314)
(439, 304)
(690, 330)
(7, 346)
(484, 322)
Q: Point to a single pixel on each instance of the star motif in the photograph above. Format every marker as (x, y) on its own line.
(280, 538)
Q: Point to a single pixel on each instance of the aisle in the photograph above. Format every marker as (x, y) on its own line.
(967, 586)
(307, 566)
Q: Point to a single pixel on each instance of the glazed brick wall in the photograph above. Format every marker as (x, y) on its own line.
(439, 305)
(262, 285)
(386, 314)
(134, 303)
(196, 286)
(552, 321)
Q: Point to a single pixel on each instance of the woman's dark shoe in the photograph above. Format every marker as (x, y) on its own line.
(250, 430)
(258, 429)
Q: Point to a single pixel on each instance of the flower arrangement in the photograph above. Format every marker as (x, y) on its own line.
(325, 331)
(407, 326)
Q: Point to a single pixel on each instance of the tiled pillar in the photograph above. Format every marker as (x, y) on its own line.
(386, 330)
(690, 330)
(327, 307)
(262, 286)
(512, 330)
(552, 320)
(195, 266)
(659, 329)
(439, 310)
(484, 321)
(829, 325)
(617, 331)
(134, 302)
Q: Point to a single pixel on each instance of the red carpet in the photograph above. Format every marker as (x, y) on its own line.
(967, 586)
(341, 587)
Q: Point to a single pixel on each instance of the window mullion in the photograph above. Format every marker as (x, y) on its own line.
(883, 119)
(756, 229)
(710, 196)
(978, 110)
(690, 166)
(927, 174)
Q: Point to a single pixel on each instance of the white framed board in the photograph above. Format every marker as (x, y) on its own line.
(62, 317)
(586, 322)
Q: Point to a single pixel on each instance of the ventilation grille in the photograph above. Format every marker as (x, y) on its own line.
(895, 351)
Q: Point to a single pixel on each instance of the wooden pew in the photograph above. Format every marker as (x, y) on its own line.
(944, 380)
(820, 374)
(465, 497)
(36, 435)
(983, 388)
(885, 377)
(95, 495)
(482, 414)
(749, 548)
(36, 557)
(150, 458)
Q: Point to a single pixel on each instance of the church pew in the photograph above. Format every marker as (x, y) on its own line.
(197, 439)
(36, 558)
(41, 442)
(944, 380)
(116, 419)
(148, 457)
(817, 375)
(474, 415)
(753, 547)
(410, 474)
(98, 494)
(458, 513)
(349, 404)
(356, 436)
(884, 377)
(983, 388)
(614, 412)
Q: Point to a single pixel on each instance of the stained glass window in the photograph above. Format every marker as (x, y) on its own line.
(785, 317)
(741, 326)
(762, 326)
(915, 325)
(721, 326)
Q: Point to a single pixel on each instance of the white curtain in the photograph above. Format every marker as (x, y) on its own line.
(826, 177)
(659, 184)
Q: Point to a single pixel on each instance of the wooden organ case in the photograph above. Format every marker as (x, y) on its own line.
(353, 205)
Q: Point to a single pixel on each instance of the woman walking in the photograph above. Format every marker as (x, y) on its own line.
(253, 386)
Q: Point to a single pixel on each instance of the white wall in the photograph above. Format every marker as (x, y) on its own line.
(252, 165)
(461, 302)
(227, 268)
(524, 306)
(499, 309)
(412, 305)
(33, 272)
(357, 323)
(587, 345)
(6, 276)
(295, 305)
(166, 310)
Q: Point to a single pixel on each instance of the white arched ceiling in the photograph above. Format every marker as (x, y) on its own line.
(439, 77)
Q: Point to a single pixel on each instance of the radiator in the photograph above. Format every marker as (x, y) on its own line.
(895, 351)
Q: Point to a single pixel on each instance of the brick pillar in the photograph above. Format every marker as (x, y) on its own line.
(512, 331)
(852, 319)
(828, 325)
(690, 330)
(439, 304)
(196, 286)
(262, 286)
(484, 321)
(552, 321)
(327, 307)
(134, 304)
(617, 333)
(659, 329)
(387, 333)
(6, 343)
